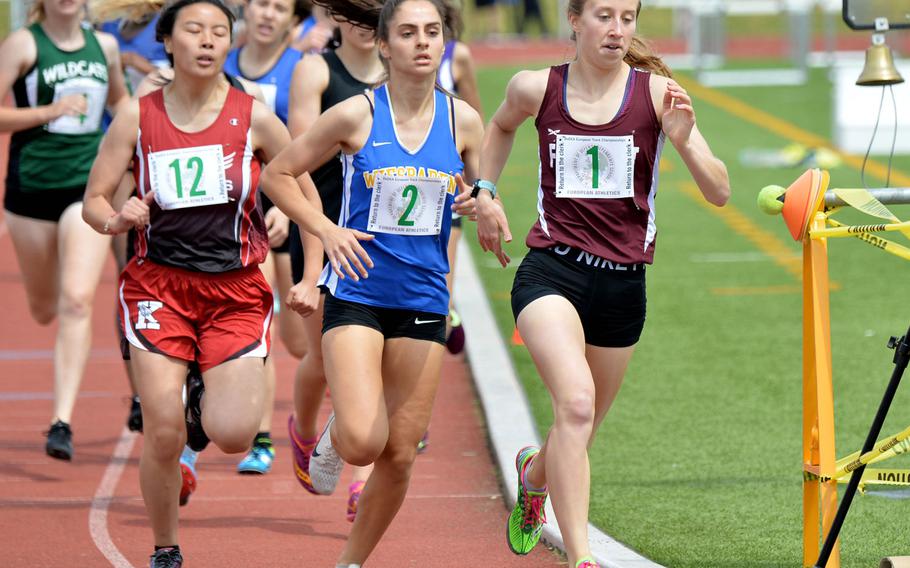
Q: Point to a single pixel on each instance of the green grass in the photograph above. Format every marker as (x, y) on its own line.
(4, 19)
(698, 462)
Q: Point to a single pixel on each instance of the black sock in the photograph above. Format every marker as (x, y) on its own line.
(174, 546)
(263, 439)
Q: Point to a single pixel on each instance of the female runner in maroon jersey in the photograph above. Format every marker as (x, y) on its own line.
(579, 294)
(194, 290)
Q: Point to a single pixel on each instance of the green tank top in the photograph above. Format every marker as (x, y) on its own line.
(59, 154)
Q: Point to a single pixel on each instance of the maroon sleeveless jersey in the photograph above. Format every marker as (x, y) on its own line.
(205, 216)
(598, 182)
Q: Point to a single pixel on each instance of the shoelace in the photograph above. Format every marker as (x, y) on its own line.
(164, 558)
(535, 512)
(261, 452)
(587, 564)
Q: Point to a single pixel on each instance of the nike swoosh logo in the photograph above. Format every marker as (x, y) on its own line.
(377, 144)
(418, 321)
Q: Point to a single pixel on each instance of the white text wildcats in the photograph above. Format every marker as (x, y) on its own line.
(72, 69)
(369, 178)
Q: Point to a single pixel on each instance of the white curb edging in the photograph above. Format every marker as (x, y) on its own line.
(505, 407)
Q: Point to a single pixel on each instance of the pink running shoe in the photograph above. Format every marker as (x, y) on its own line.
(586, 563)
(301, 450)
(354, 491)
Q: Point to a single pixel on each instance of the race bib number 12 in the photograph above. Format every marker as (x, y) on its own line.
(188, 177)
(408, 205)
(595, 167)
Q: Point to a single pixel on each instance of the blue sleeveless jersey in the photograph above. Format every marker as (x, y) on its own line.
(143, 43)
(276, 84)
(409, 271)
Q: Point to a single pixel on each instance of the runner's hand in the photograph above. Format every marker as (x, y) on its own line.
(70, 105)
(277, 224)
(303, 298)
(345, 253)
(492, 227)
(133, 215)
(679, 116)
(464, 205)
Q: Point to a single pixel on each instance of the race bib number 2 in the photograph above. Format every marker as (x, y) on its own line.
(404, 205)
(188, 177)
(595, 167)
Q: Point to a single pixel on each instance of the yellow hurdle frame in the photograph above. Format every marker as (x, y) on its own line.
(819, 495)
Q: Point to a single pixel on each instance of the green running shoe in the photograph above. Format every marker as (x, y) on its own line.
(529, 515)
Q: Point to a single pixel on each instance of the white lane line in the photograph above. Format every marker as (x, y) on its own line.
(97, 517)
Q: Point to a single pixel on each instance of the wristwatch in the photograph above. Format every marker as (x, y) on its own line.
(484, 184)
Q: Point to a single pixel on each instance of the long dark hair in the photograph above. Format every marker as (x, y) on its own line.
(168, 19)
(376, 14)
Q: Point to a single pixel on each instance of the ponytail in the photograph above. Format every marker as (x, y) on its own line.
(642, 56)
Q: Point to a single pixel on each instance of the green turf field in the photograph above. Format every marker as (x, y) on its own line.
(698, 463)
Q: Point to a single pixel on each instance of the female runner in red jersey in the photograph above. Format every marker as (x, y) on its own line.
(579, 295)
(194, 290)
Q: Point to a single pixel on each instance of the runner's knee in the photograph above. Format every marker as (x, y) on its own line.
(576, 410)
(76, 303)
(360, 446)
(164, 442)
(42, 312)
(232, 436)
(398, 459)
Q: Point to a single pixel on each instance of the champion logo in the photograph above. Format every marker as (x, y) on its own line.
(378, 144)
(418, 321)
(234, 122)
(551, 132)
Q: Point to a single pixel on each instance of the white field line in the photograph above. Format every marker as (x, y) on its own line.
(97, 517)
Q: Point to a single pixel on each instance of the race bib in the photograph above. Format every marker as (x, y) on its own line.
(95, 95)
(408, 205)
(188, 177)
(595, 167)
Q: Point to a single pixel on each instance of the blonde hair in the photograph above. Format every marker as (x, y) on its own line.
(641, 55)
(130, 10)
(36, 11)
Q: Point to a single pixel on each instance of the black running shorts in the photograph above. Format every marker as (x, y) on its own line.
(391, 322)
(609, 297)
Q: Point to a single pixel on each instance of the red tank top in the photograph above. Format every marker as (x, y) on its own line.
(206, 215)
(598, 182)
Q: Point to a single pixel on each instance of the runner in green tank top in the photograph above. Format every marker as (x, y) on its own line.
(62, 76)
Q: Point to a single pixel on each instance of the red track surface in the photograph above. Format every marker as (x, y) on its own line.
(454, 515)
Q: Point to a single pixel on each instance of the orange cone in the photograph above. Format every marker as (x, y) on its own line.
(516, 338)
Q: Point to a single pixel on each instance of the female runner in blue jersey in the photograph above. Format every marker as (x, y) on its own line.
(404, 146)
(579, 294)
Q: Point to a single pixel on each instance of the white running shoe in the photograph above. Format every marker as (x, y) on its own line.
(325, 463)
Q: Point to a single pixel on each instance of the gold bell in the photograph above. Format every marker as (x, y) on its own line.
(879, 68)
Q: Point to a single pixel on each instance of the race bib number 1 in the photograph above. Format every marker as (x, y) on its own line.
(188, 177)
(595, 167)
(95, 95)
(408, 205)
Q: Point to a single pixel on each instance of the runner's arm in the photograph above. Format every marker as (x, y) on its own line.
(308, 83)
(673, 106)
(466, 77)
(346, 124)
(523, 98)
(117, 93)
(17, 55)
(469, 133)
(114, 156)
